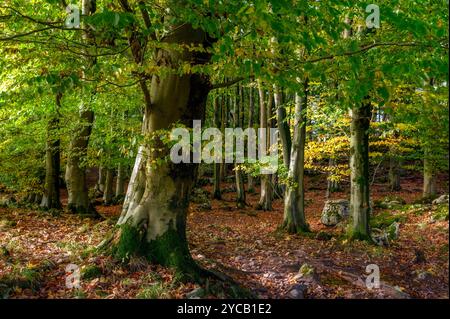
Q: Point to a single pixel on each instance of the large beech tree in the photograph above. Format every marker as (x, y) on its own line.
(154, 222)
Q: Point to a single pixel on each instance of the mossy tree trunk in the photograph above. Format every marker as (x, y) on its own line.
(50, 198)
(359, 165)
(294, 219)
(153, 223)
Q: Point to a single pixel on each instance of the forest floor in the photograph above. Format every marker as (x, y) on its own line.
(245, 244)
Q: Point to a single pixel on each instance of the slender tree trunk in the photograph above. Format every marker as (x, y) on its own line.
(283, 126)
(50, 199)
(332, 185)
(429, 176)
(240, 191)
(285, 136)
(101, 179)
(120, 182)
(359, 165)
(429, 161)
(223, 165)
(265, 201)
(155, 225)
(108, 194)
(217, 114)
(394, 174)
(251, 115)
(277, 190)
(294, 220)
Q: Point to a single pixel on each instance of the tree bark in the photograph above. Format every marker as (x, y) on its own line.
(265, 201)
(51, 199)
(120, 182)
(240, 191)
(294, 220)
(224, 121)
(251, 115)
(101, 180)
(429, 162)
(283, 126)
(108, 194)
(394, 174)
(78, 201)
(154, 223)
(429, 176)
(359, 165)
(217, 114)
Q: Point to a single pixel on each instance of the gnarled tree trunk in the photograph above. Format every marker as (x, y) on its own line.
(153, 222)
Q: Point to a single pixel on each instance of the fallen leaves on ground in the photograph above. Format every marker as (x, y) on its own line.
(245, 244)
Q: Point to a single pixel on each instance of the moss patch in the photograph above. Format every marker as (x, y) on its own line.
(91, 272)
(385, 219)
(130, 243)
(441, 213)
(155, 291)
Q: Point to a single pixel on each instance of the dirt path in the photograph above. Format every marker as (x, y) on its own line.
(246, 245)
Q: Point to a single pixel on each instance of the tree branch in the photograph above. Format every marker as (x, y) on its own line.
(20, 35)
(229, 83)
(367, 48)
(146, 17)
